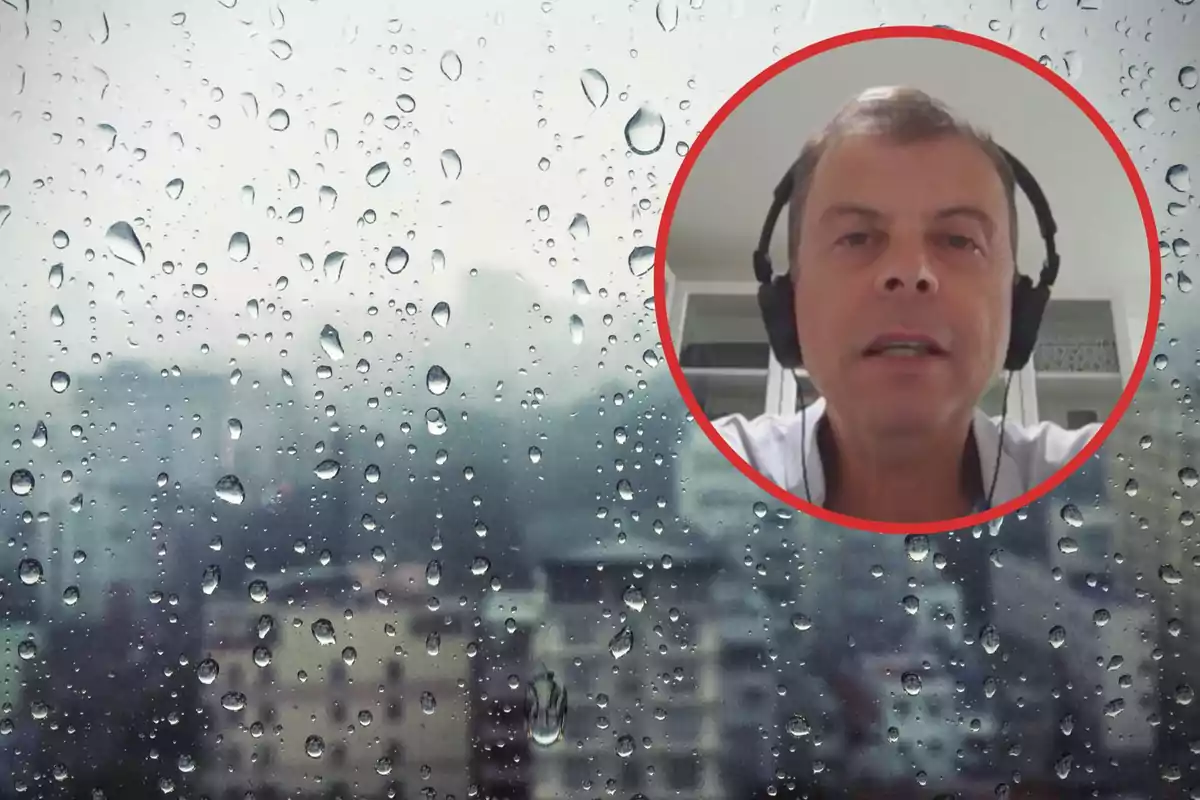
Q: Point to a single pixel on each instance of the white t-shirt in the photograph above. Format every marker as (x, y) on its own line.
(774, 445)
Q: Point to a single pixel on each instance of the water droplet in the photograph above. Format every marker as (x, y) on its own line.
(437, 381)
(667, 13)
(258, 591)
(798, 727)
(56, 276)
(1071, 515)
(545, 709)
(199, 290)
(480, 565)
(60, 381)
(1101, 617)
(1183, 281)
(233, 701)
(1057, 636)
(21, 482)
(40, 435)
(174, 188)
(1178, 178)
(296, 215)
(1188, 477)
(575, 326)
(365, 718)
(645, 131)
(801, 622)
(595, 87)
(29, 570)
(397, 260)
(428, 702)
(650, 358)
(56, 317)
(1143, 118)
(314, 746)
(60, 239)
(989, 639)
(441, 314)
(229, 488)
(1169, 575)
(916, 547)
(327, 198)
(580, 230)
(262, 656)
(1189, 78)
(1067, 545)
(435, 421)
(322, 631)
(634, 598)
(911, 683)
(621, 643)
(281, 49)
(207, 671)
(625, 746)
(210, 579)
(331, 343)
(641, 260)
(451, 65)
(332, 266)
(123, 243)
(328, 469)
(406, 103)
(1160, 361)
(378, 173)
(383, 766)
(239, 247)
(451, 164)
(278, 120)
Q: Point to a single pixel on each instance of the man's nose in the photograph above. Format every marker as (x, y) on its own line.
(907, 271)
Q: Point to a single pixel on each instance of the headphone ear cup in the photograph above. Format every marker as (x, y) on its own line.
(776, 301)
(1028, 304)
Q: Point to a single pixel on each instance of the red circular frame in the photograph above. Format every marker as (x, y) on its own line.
(898, 32)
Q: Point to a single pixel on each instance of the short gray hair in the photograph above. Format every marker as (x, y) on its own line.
(904, 115)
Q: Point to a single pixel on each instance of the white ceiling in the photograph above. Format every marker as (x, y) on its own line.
(727, 193)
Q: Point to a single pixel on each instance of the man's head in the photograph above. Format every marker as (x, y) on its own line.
(901, 241)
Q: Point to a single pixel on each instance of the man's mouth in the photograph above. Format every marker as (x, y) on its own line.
(904, 347)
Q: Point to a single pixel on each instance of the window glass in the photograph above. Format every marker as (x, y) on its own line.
(333, 363)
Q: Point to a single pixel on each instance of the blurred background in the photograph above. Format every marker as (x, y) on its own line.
(344, 462)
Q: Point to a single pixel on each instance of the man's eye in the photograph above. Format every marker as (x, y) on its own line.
(855, 238)
(960, 242)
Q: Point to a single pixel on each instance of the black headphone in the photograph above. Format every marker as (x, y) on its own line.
(776, 298)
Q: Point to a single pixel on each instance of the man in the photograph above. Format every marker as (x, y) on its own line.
(902, 234)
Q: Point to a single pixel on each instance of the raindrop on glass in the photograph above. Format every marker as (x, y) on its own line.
(229, 488)
(397, 260)
(207, 671)
(21, 482)
(451, 65)
(60, 381)
(378, 173)
(56, 276)
(1072, 515)
(322, 631)
(123, 243)
(595, 87)
(645, 131)
(29, 570)
(441, 314)
(328, 469)
(798, 727)
(641, 260)
(911, 683)
(314, 746)
(545, 709)
(1178, 178)
(258, 591)
(332, 266)
(437, 381)
(210, 579)
(621, 643)
(278, 120)
(451, 164)
(239, 247)
(331, 343)
(281, 49)
(667, 14)
(580, 230)
(174, 188)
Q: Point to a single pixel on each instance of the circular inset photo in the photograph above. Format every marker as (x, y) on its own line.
(903, 280)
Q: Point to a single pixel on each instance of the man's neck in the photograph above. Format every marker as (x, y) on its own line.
(915, 481)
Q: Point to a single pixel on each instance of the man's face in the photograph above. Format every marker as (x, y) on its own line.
(903, 280)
